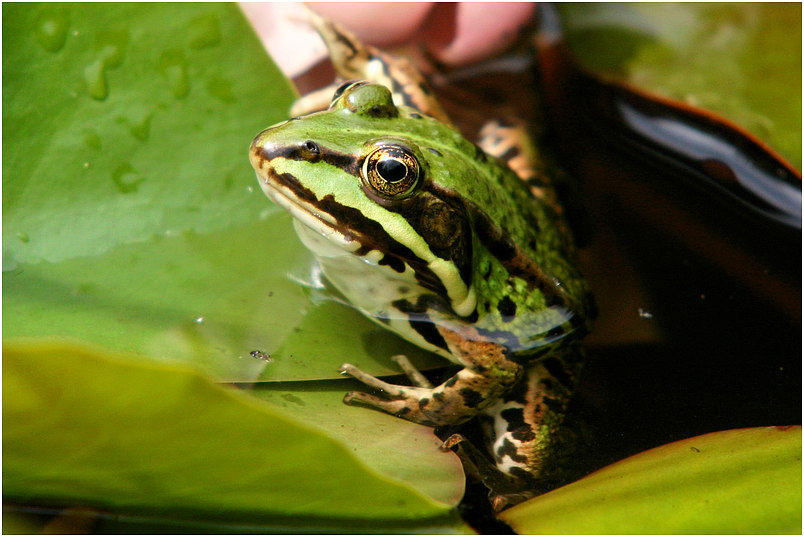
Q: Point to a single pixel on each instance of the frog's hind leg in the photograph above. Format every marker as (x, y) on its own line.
(523, 427)
(353, 59)
(314, 101)
(510, 141)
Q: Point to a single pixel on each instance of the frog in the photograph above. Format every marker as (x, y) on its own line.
(459, 247)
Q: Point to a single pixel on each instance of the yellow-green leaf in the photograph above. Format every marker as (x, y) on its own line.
(92, 429)
(737, 481)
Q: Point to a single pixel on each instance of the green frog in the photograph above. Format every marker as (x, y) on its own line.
(460, 248)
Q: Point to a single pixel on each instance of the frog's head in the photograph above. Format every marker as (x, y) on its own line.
(360, 178)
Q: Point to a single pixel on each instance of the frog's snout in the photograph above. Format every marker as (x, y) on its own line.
(263, 149)
(256, 153)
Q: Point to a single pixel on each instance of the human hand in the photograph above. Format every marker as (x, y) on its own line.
(455, 34)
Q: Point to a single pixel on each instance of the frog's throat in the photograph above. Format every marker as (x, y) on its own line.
(430, 274)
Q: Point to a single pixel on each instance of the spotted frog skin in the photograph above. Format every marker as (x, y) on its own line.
(439, 240)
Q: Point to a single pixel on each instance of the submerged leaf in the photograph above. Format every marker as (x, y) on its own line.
(204, 299)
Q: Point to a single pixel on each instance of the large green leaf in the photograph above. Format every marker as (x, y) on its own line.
(131, 217)
(738, 481)
(132, 220)
(80, 428)
(127, 121)
(205, 299)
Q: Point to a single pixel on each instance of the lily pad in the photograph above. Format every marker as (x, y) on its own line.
(379, 440)
(87, 428)
(203, 299)
(741, 60)
(131, 216)
(108, 113)
(737, 481)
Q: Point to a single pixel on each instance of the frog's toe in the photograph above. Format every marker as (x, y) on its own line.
(452, 441)
(412, 373)
(397, 407)
(350, 397)
(390, 390)
(356, 373)
(365, 378)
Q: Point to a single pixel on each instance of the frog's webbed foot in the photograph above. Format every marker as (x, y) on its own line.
(455, 401)
(398, 396)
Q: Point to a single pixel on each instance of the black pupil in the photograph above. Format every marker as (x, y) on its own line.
(391, 170)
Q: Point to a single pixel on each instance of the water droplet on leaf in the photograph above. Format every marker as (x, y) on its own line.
(205, 31)
(173, 66)
(50, 30)
(95, 77)
(110, 46)
(261, 356)
(126, 179)
(141, 129)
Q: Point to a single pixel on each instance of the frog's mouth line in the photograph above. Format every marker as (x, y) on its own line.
(308, 214)
(287, 192)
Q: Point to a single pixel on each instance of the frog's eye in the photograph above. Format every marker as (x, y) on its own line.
(391, 171)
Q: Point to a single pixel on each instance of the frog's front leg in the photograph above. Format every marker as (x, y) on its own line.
(489, 371)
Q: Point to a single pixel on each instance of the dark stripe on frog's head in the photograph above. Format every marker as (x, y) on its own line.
(440, 223)
(348, 163)
(369, 233)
